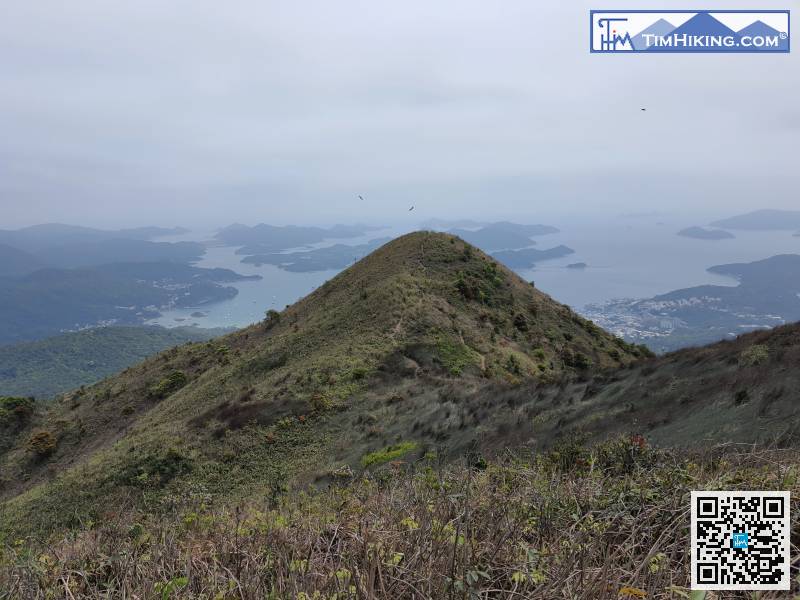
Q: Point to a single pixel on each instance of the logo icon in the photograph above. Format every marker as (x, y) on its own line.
(690, 31)
(739, 540)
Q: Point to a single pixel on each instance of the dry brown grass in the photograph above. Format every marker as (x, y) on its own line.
(582, 524)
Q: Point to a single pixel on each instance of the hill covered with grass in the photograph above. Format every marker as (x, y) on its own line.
(425, 424)
(369, 368)
(65, 362)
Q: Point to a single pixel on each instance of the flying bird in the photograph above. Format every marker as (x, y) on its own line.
(644, 110)
(410, 209)
(360, 197)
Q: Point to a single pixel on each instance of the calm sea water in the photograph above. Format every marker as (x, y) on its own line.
(634, 258)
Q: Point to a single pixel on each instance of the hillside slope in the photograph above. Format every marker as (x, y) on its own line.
(366, 369)
(15, 263)
(64, 362)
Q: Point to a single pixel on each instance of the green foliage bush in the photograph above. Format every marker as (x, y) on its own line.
(455, 356)
(272, 318)
(576, 360)
(513, 365)
(14, 409)
(387, 454)
(756, 354)
(169, 385)
(520, 322)
(154, 470)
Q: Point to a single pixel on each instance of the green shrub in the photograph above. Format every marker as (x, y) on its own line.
(756, 354)
(272, 318)
(13, 409)
(455, 356)
(359, 373)
(154, 470)
(513, 365)
(520, 322)
(387, 454)
(576, 360)
(169, 385)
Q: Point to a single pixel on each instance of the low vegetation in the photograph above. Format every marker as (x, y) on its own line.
(58, 364)
(609, 522)
(14, 410)
(754, 355)
(387, 454)
(169, 384)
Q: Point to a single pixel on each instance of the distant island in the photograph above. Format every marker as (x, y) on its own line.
(762, 220)
(577, 265)
(503, 235)
(448, 223)
(796, 234)
(701, 233)
(337, 256)
(528, 257)
(264, 239)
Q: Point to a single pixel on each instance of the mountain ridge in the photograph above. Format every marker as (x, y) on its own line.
(426, 347)
(377, 351)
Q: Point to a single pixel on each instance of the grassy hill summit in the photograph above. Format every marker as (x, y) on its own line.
(357, 373)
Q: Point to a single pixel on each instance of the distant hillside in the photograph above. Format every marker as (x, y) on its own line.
(50, 235)
(768, 294)
(410, 348)
(14, 262)
(765, 219)
(58, 364)
(103, 252)
(51, 301)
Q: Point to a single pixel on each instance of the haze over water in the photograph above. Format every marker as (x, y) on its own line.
(626, 258)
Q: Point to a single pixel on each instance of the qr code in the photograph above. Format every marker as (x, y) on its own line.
(740, 540)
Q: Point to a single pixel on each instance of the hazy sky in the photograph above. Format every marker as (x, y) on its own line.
(187, 112)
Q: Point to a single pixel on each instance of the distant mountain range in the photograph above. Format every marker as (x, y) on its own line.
(23, 251)
(15, 262)
(50, 235)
